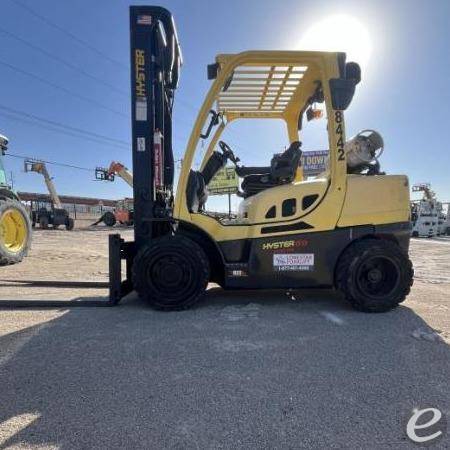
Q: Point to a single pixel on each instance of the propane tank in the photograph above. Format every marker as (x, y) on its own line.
(363, 151)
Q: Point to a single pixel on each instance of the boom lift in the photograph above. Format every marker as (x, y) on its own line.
(347, 229)
(115, 169)
(15, 224)
(123, 212)
(57, 215)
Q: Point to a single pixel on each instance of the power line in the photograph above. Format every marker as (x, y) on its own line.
(68, 133)
(48, 127)
(54, 163)
(69, 34)
(67, 127)
(61, 61)
(61, 88)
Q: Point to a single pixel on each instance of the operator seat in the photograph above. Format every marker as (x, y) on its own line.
(282, 170)
(196, 192)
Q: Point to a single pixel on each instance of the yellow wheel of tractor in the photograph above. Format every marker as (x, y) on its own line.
(15, 231)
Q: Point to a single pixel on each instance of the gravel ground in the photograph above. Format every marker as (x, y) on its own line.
(240, 370)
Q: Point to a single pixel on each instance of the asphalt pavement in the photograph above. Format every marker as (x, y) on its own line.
(241, 370)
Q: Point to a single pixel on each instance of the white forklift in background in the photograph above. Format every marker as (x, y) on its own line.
(56, 215)
(444, 218)
(424, 212)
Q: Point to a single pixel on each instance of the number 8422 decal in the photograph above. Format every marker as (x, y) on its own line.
(338, 118)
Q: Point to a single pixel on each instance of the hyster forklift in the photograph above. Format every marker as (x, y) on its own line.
(15, 223)
(56, 215)
(348, 228)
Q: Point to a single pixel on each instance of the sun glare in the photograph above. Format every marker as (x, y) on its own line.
(339, 33)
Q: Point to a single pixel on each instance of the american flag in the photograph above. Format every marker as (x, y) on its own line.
(144, 20)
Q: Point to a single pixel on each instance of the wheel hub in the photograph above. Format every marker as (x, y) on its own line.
(13, 231)
(374, 275)
(169, 273)
(378, 276)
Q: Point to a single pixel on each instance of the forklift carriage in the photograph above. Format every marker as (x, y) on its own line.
(347, 228)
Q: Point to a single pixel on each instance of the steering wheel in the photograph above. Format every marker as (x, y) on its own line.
(226, 150)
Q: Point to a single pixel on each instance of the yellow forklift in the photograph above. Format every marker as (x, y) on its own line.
(347, 228)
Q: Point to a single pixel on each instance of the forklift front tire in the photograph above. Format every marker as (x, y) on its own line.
(171, 273)
(375, 275)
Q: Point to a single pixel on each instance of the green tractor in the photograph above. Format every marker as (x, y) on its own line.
(15, 223)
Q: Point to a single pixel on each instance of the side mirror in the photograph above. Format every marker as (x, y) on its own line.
(343, 89)
(353, 72)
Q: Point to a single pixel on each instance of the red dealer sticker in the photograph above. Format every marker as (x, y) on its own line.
(158, 159)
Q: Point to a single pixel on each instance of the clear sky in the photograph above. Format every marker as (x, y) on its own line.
(404, 93)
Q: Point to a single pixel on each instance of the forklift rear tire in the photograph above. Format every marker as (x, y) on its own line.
(69, 224)
(171, 273)
(43, 222)
(374, 275)
(109, 219)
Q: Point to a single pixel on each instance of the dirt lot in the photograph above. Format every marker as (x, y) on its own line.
(240, 370)
(79, 255)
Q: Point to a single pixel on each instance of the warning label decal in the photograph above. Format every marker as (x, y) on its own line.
(141, 144)
(293, 261)
(141, 109)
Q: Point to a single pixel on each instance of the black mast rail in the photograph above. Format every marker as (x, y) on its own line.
(155, 67)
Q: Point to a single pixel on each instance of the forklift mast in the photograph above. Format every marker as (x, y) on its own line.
(155, 65)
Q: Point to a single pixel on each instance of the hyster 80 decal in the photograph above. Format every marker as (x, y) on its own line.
(293, 261)
(285, 244)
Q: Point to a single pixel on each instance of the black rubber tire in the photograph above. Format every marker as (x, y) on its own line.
(6, 256)
(109, 219)
(171, 273)
(70, 223)
(43, 222)
(398, 271)
(415, 234)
